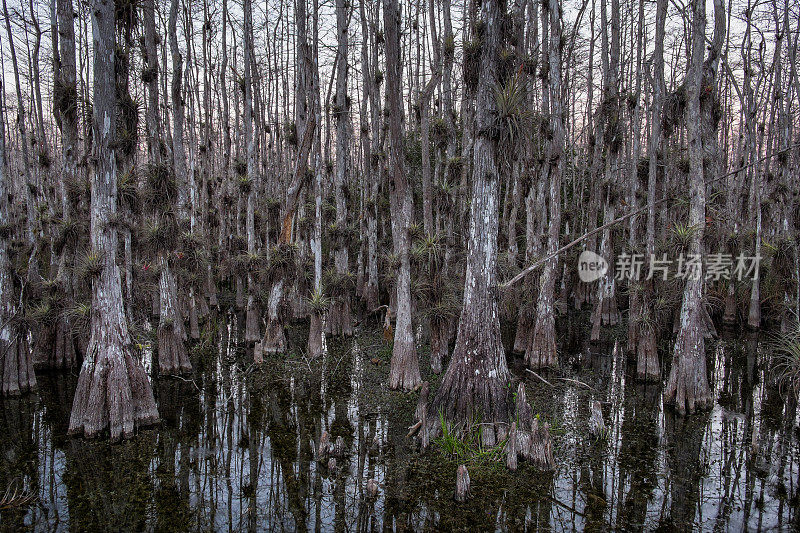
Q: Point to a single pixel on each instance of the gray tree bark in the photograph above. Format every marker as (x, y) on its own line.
(475, 386)
(113, 391)
(404, 370)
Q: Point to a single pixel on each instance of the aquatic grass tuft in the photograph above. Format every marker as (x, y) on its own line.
(468, 448)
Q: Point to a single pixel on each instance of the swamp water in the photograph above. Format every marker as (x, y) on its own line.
(235, 452)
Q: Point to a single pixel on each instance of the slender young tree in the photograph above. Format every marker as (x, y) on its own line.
(113, 391)
(55, 343)
(339, 321)
(404, 370)
(178, 114)
(252, 318)
(30, 221)
(370, 133)
(647, 365)
(542, 351)
(172, 354)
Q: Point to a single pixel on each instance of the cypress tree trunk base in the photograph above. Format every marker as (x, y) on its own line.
(274, 340)
(252, 330)
(542, 352)
(371, 295)
(16, 366)
(687, 388)
(730, 314)
(172, 355)
(404, 371)
(339, 319)
(316, 342)
(524, 325)
(647, 366)
(474, 388)
(113, 392)
(605, 313)
(55, 347)
(440, 340)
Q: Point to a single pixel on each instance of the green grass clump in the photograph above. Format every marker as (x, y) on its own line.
(467, 448)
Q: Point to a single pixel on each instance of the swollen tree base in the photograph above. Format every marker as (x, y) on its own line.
(647, 366)
(687, 388)
(55, 347)
(339, 319)
(173, 357)
(474, 388)
(16, 367)
(274, 340)
(542, 352)
(524, 325)
(404, 371)
(251, 331)
(113, 392)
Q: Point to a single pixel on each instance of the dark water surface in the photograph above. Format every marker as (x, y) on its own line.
(235, 452)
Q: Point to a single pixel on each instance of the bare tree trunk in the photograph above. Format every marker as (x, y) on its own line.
(647, 365)
(33, 269)
(753, 173)
(370, 124)
(113, 390)
(172, 355)
(55, 345)
(252, 320)
(339, 320)
(16, 366)
(635, 287)
(475, 386)
(542, 350)
(178, 114)
(687, 387)
(404, 371)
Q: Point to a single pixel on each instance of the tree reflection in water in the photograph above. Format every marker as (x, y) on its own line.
(236, 451)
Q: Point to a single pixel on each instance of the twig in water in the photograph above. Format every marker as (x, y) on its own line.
(578, 383)
(538, 376)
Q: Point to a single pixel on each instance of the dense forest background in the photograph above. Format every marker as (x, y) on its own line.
(434, 168)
